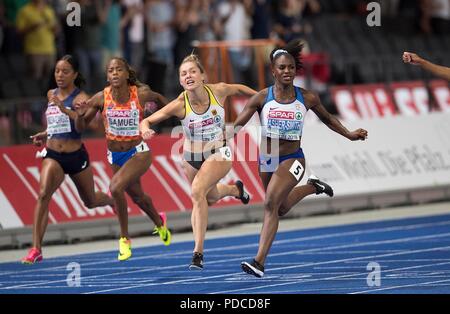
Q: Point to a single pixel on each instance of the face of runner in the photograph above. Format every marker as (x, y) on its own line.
(284, 70)
(191, 76)
(117, 73)
(64, 74)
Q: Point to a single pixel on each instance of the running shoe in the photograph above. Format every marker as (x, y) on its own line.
(197, 261)
(163, 231)
(321, 187)
(243, 195)
(124, 249)
(34, 256)
(253, 268)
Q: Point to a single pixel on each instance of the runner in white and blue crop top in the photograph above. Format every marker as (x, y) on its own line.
(64, 152)
(282, 109)
(200, 107)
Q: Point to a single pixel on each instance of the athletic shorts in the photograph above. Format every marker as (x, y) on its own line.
(196, 160)
(120, 158)
(270, 163)
(71, 163)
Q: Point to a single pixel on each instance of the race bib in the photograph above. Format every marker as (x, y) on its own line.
(57, 122)
(123, 122)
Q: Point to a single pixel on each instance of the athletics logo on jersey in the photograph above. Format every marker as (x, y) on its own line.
(298, 115)
(214, 112)
(217, 119)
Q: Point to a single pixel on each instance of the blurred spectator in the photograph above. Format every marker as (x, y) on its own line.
(111, 31)
(36, 22)
(133, 21)
(435, 16)
(262, 19)
(160, 19)
(289, 23)
(190, 15)
(60, 7)
(12, 41)
(235, 21)
(87, 42)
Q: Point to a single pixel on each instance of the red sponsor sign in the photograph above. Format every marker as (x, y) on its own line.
(441, 94)
(363, 101)
(411, 97)
(165, 182)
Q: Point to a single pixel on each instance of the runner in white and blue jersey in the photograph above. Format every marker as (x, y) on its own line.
(282, 109)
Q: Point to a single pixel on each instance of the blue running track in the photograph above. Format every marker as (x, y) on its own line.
(413, 254)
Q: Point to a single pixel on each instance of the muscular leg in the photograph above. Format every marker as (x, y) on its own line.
(206, 178)
(84, 181)
(123, 177)
(144, 202)
(52, 175)
(277, 190)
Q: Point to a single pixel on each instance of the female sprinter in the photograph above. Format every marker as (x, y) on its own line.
(206, 157)
(282, 109)
(121, 106)
(64, 152)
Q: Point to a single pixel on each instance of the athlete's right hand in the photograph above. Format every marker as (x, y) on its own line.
(39, 138)
(146, 132)
(409, 57)
(80, 108)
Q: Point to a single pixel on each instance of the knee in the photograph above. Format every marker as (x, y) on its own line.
(198, 193)
(116, 189)
(44, 196)
(271, 204)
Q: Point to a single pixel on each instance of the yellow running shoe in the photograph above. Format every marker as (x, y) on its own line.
(163, 231)
(124, 249)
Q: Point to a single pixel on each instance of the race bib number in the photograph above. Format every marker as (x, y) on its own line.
(296, 170)
(225, 152)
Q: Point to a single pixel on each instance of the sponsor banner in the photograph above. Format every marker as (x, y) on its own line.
(441, 94)
(370, 101)
(401, 153)
(165, 182)
(363, 101)
(411, 98)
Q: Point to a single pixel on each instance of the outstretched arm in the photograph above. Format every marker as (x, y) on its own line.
(438, 70)
(174, 108)
(313, 102)
(86, 111)
(252, 106)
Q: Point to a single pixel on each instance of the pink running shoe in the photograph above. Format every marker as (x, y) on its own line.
(34, 256)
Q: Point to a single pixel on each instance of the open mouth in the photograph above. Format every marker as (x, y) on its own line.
(190, 82)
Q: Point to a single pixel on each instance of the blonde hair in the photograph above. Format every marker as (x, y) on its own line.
(194, 59)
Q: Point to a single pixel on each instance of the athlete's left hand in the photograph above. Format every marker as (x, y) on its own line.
(57, 102)
(359, 134)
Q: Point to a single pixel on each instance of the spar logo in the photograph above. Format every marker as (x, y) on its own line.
(285, 115)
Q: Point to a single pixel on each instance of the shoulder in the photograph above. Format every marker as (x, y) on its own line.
(219, 88)
(311, 98)
(96, 100)
(145, 92)
(259, 98)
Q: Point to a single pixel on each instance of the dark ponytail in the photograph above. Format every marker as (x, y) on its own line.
(79, 80)
(293, 48)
